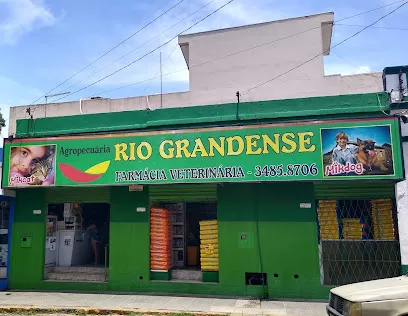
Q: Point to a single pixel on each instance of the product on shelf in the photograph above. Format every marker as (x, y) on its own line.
(209, 245)
(160, 239)
(383, 222)
(328, 224)
(352, 229)
(177, 211)
(73, 216)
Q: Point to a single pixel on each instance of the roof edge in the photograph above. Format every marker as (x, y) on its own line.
(185, 36)
(205, 115)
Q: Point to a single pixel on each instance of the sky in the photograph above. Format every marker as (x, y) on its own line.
(44, 42)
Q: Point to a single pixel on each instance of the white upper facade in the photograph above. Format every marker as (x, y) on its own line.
(222, 62)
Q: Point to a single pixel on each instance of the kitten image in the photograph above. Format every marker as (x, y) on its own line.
(41, 169)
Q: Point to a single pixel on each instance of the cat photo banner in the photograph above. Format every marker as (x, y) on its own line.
(32, 165)
(301, 151)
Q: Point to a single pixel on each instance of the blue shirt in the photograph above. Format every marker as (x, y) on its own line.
(343, 156)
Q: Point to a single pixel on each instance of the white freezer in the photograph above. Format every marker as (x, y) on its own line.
(74, 249)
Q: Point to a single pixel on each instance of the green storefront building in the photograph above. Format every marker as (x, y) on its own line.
(283, 199)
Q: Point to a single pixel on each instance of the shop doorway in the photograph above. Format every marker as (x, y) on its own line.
(186, 244)
(77, 242)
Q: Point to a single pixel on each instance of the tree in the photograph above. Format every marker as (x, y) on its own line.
(2, 122)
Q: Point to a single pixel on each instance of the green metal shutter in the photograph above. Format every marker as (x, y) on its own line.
(183, 193)
(84, 195)
(354, 190)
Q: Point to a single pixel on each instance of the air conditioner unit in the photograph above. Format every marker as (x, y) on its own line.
(395, 82)
(396, 96)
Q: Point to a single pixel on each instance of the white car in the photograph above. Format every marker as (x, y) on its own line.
(385, 297)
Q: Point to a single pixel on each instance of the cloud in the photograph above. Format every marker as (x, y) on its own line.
(239, 12)
(14, 93)
(10, 88)
(341, 69)
(21, 17)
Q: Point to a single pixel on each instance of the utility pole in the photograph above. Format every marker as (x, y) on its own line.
(50, 96)
(161, 82)
(54, 95)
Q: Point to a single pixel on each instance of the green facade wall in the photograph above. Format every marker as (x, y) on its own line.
(129, 241)
(281, 238)
(303, 109)
(27, 264)
(287, 243)
(285, 238)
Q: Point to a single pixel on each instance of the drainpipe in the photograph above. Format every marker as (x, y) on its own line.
(148, 103)
(83, 99)
(80, 103)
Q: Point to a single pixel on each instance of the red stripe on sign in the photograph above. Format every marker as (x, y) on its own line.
(76, 175)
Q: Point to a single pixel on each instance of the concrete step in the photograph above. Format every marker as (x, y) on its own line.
(191, 275)
(86, 269)
(87, 277)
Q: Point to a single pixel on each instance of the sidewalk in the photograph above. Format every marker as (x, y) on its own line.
(142, 303)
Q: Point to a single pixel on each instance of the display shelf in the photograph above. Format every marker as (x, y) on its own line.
(178, 223)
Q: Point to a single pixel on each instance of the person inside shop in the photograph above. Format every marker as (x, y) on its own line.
(93, 233)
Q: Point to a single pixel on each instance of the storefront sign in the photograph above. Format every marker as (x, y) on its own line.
(358, 149)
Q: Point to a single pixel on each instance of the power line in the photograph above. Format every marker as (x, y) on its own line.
(32, 112)
(209, 61)
(186, 68)
(113, 48)
(167, 59)
(365, 74)
(152, 51)
(346, 18)
(133, 50)
(213, 60)
(372, 10)
(309, 60)
(355, 15)
(219, 58)
(375, 27)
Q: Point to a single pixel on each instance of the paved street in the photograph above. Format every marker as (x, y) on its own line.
(164, 303)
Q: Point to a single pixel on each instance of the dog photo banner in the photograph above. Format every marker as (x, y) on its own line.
(304, 151)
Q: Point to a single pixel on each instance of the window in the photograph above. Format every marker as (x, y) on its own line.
(358, 240)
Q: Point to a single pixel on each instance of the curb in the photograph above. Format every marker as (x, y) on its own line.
(98, 311)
